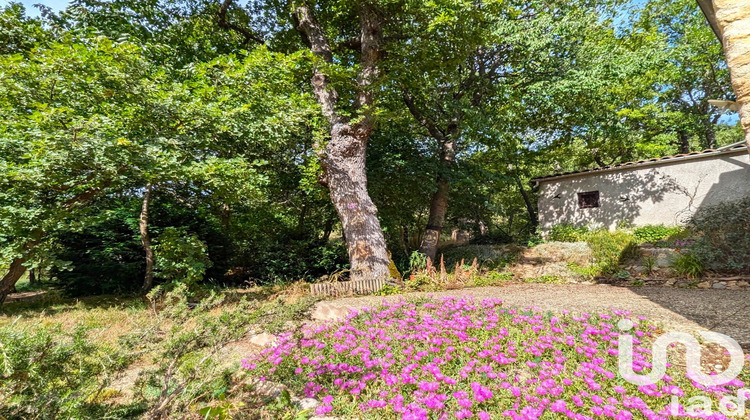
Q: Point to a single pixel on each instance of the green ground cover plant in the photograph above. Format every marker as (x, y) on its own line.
(461, 358)
(656, 233)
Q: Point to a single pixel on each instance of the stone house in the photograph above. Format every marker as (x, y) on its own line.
(660, 191)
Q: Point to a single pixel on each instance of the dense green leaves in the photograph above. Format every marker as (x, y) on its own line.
(210, 103)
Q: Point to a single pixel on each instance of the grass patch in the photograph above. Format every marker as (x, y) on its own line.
(61, 358)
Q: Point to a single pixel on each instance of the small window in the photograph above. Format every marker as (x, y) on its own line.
(587, 200)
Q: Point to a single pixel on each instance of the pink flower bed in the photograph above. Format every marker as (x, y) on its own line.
(457, 358)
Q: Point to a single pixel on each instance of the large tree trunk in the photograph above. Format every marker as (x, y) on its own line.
(347, 181)
(733, 18)
(439, 202)
(148, 279)
(344, 157)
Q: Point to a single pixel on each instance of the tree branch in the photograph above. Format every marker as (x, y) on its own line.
(371, 37)
(225, 24)
(313, 35)
(431, 127)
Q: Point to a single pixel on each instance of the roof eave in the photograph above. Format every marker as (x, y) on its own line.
(659, 161)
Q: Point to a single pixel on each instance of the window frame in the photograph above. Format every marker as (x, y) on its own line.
(585, 200)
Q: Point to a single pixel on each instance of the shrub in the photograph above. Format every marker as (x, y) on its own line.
(723, 235)
(567, 233)
(610, 249)
(490, 257)
(49, 373)
(180, 257)
(688, 265)
(656, 233)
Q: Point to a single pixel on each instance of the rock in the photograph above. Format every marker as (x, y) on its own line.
(269, 389)
(719, 285)
(704, 285)
(308, 403)
(326, 312)
(263, 339)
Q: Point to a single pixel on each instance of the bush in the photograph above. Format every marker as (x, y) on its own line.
(656, 233)
(490, 257)
(48, 373)
(293, 260)
(180, 257)
(184, 343)
(688, 265)
(723, 236)
(610, 249)
(567, 233)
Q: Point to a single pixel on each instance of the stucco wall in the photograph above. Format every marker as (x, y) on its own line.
(665, 193)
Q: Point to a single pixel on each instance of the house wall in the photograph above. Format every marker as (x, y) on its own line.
(666, 193)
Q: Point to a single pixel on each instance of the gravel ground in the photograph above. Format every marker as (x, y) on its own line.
(688, 310)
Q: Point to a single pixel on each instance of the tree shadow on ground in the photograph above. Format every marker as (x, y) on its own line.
(722, 311)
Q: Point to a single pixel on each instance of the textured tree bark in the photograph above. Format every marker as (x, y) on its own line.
(439, 202)
(343, 160)
(733, 18)
(347, 181)
(710, 134)
(8, 282)
(17, 267)
(148, 278)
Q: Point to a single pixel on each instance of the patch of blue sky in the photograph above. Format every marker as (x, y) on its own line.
(32, 10)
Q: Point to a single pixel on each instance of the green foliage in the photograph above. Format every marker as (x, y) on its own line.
(688, 265)
(185, 368)
(50, 373)
(546, 279)
(610, 249)
(492, 278)
(417, 261)
(723, 235)
(567, 233)
(388, 290)
(489, 257)
(180, 257)
(291, 260)
(105, 257)
(655, 233)
(649, 263)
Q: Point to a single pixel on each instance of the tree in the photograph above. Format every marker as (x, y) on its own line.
(692, 71)
(344, 156)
